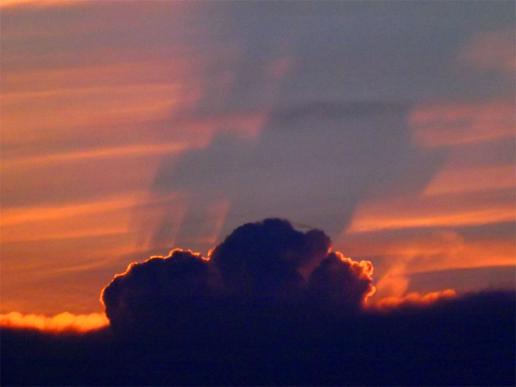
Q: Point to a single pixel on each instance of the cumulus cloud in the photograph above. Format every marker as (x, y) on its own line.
(266, 258)
(342, 281)
(268, 262)
(270, 305)
(149, 291)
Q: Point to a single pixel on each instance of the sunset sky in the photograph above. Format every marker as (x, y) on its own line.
(129, 128)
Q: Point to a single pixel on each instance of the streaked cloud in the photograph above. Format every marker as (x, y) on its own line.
(451, 124)
(24, 215)
(434, 211)
(102, 153)
(37, 3)
(472, 179)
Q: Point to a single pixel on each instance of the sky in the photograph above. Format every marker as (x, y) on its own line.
(132, 128)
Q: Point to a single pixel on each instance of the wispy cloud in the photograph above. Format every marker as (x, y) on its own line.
(451, 124)
(38, 3)
(434, 211)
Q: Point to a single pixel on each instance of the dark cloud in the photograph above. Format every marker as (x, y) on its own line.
(271, 305)
(266, 258)
(268, 262)
(341, 282)
(461, 341)
(156, 291)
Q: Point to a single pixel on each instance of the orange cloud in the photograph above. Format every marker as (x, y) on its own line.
(13, 216)
(449, 124)
(404, 252)
(471, 179)
(95, 154)
(21, 83)
(433, 211)
(37, 3)
(62, 322)
(27, 121)
(413, 299)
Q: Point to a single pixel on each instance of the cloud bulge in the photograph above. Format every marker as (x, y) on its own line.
(266, 262)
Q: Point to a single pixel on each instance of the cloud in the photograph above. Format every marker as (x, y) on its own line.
(267, 262)
(341, 281)
(266, 258)
(451, 124)
(414, 299)
(477, 208)
(62, 322)
(465, 340)
(152, 292)
(39, 3)
(270, 305)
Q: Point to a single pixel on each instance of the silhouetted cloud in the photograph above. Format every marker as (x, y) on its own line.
(341, 281)
(465, 340)
(151, 292)
(270, 305)
(268, 262)
(266, 258)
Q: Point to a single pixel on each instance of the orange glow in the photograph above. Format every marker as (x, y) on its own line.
(432, 211)
(362, 269)
(408, 251)
(13, 216)
(395, 281)
(74, 104)
(110, 108)
(413, 252)
(447, 124)
(125, 77)
(413, 299)
(94, 154)
(62, 322)
(37, 3)
(461, 180)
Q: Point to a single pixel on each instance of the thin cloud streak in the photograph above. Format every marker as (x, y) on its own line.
(471, 179)
(13, 216)
(95, 154)
(434, 211)
(38, 3)
(452, 124)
